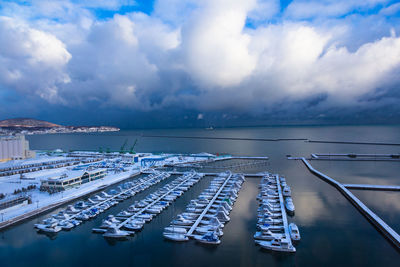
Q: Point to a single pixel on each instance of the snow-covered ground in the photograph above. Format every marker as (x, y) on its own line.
(42, 199)
(42, 158)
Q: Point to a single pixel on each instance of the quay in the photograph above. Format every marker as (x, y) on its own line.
(385, 229)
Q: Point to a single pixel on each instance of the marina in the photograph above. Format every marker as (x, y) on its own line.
(332, 220)
(144, 210)
(207, 214)
(82, 211)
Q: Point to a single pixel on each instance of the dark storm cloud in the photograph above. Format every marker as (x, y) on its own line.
(310, 61)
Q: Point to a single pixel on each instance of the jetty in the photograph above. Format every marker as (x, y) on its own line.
(372, 187)
(385, 229)
(198, 220)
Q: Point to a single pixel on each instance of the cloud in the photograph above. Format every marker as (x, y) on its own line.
(32, 61)
(202, 56)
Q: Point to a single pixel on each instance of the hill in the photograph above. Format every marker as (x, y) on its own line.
(27, 123)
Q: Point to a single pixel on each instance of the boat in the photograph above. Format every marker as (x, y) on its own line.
(175, 236)
(124, 214)
(267, 235)
(277, 244)
(81, 205)
(82, 216)
(71, 210)
(114, 232)
(289, 205)
(61, 216)
(133, 226)
(208, 228)
(294, 232)
(49, 228)
(208, 238)
(182, 221)
(286, 191)
(175, 229)
(66, 225)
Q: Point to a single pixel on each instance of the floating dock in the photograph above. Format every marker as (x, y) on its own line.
(198, 220)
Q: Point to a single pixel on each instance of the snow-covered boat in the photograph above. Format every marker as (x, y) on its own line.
(49, 228)
(208, 238)
(294, 232)
(289, 205)
(282, 245)
(114, 232)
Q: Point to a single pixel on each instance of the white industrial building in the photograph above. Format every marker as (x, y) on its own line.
(14, 148)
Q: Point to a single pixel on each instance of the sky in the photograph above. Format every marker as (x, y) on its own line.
(200, 63)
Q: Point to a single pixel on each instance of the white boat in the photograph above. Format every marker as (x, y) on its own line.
(294, 232)
(281, 245)
(66, 225)
(81, 205)
(82, 217)
(289, 205)
(174, 229)
(61, 216)
(146, 217)
(49, 228)
(114, 232)
(286, 191)
(207, 228)
(124, 213)
(182, 221)
(175, 236)
(208, 238)
(71, 210)
(268, 235)
(133, 226)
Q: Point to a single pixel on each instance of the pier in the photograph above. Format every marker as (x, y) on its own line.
(198, 220)
(283, 209)
(159, 198)
(385, 229)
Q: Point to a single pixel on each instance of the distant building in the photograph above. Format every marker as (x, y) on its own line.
(14, 148)
(73, 178)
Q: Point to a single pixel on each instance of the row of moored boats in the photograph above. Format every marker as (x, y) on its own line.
(206, 216)
(275, 202)
(81, 211)
(132, 219)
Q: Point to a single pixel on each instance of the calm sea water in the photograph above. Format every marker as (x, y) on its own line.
(333, 232)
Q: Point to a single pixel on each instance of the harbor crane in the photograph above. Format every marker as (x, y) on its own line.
(123, 146)
(132, 151)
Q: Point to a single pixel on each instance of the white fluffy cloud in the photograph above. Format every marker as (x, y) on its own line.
(192, 54)
(32, 61)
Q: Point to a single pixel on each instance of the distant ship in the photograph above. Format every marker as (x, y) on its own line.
(210, 128)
